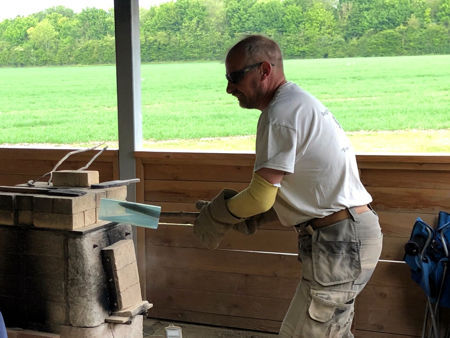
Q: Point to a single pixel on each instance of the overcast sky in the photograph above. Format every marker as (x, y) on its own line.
(9, 9)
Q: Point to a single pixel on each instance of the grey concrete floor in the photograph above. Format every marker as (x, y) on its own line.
(156, 328)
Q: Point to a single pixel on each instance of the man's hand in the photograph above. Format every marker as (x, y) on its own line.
(251, 224)
(214, 219)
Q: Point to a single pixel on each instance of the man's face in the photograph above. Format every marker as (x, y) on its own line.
(243, 81)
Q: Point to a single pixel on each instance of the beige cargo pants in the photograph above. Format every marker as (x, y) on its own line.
(337, 262)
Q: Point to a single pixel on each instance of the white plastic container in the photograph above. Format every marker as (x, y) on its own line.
(173, 331)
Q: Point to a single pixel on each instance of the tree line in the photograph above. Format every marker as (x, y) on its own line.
(204, 29)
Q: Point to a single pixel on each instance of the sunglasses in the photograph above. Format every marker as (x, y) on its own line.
(237, 76)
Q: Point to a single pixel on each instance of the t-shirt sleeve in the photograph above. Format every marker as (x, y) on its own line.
(276, 148)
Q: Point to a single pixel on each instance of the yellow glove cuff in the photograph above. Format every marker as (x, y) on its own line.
(257, 198)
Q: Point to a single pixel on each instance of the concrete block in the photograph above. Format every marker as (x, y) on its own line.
(117, 193)
(107, 330)
(75, 178)
(58, 221)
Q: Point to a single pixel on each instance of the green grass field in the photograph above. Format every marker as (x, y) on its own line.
(75, 105)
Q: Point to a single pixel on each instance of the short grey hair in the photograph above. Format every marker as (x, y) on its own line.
(256, 48)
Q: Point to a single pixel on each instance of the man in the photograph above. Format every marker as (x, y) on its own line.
(305, 170)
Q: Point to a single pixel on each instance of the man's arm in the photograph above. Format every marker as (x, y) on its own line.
(271, 175)
(259, 196)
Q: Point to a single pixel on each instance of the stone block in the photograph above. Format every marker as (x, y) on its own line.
(106, 330)
(117, 193)
(24, 202)
(90, 216)
(7, 206)
(130, 297)
(121, 268)
(120, 254)
(7, 201)
(25, 217)
(43, 203)
(75, 178)
(6, 217)
(73, 205)
(58, 221)
(24, 209)
(126, 276)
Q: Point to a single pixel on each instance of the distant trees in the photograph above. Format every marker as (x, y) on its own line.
(204, 29)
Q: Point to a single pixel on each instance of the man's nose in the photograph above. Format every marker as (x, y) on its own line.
(230, 87)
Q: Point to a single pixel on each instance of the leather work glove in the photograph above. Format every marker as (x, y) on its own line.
(214, 219)
(250, 225)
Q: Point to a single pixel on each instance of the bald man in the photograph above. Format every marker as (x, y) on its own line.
(306, 172)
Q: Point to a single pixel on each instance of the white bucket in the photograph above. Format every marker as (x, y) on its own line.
(173, 331)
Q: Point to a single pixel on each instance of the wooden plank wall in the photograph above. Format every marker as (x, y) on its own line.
(249, 281)
(19, 165)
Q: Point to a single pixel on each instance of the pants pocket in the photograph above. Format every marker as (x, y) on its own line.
(335, 261)
(331, 313)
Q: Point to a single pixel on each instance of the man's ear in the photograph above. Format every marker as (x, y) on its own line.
(266, 70)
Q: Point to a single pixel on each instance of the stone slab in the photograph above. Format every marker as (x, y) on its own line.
(120, 254)
(129, 297)
(126, 276)
(75, 178)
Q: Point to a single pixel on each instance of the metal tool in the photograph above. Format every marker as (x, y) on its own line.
(43, 191)
(115, 183)
(144, 215)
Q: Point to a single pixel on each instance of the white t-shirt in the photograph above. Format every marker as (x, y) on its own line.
(298, 135)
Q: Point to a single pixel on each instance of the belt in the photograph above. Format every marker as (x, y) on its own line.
(335, 217)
